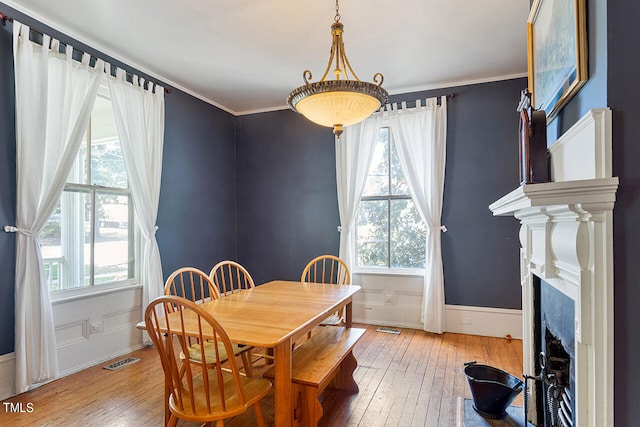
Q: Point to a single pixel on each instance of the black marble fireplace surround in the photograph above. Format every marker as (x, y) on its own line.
(554, 315)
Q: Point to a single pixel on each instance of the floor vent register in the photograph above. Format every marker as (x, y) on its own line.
(389, 330)
(122, 363)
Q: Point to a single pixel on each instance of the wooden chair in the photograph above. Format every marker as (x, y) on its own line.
(204, 392)
(327, 269)
(194, 285)
(231, 277)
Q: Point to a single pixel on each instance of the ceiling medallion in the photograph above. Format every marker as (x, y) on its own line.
(340, 102)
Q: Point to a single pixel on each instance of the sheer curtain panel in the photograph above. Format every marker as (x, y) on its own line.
(354, 151)
(420, 135)
(139, 114)
(54, 98)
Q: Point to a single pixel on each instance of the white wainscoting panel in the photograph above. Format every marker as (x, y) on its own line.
(484, 321)
(396, 300)
(72, 333)
(95, 328)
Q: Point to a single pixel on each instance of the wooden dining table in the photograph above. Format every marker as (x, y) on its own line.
(275, 315)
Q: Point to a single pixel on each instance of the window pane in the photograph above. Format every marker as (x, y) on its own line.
(378, 179)
(107, 161)
(408, 235)
(52, 249)
(112, 248)
(107, 165)
(372, 233)
(74, 245)
(78, 172)
(398, 182)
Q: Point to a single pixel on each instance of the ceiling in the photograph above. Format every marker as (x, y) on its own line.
(245, 56)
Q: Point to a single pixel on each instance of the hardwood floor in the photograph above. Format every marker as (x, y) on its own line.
(410, 379)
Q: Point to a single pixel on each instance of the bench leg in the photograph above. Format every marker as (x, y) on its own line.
(344, 377)
(307, 408)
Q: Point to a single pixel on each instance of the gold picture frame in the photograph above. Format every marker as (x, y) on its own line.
(557, 53)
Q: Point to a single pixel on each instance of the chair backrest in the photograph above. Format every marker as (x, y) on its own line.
(192, 284)
(326, 269)
(231, 277)
(200, 389)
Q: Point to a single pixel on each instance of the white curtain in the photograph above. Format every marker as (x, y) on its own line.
(139, 115)
(354, 151)
(54, 98)
(420, 136)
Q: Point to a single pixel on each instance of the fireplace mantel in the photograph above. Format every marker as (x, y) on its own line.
(591, 194)
(562, 223)
(566, 236)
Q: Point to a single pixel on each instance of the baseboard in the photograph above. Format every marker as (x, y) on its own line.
(484, 321)
(7, 375)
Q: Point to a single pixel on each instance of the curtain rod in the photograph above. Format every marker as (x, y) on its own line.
(4, 18)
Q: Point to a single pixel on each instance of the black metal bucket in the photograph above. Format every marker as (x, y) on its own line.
(492, 389)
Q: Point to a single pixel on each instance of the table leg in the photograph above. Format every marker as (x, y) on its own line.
(283, 389)
(348, 317)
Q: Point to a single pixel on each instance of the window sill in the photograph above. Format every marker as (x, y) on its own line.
(87, 292)
(389, 272)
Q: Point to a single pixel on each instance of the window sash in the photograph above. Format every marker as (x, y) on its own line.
(388, 198)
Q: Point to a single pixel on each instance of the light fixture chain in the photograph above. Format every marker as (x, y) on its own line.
(337, 17)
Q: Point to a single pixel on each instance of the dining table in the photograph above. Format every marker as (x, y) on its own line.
(275, 315)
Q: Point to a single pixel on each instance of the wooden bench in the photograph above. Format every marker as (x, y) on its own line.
(324, 359)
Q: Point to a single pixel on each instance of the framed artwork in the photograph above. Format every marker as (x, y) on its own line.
(557, 53)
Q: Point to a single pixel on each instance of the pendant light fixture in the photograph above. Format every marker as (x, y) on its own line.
(340, 102)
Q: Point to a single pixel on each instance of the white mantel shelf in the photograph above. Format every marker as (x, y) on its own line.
(600, 193)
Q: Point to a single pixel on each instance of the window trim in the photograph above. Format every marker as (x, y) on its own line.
(389, 271)
(68, 295)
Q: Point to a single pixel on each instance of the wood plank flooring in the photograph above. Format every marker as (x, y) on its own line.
(410, 379)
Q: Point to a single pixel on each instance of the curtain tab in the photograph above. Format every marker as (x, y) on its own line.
(443, 228)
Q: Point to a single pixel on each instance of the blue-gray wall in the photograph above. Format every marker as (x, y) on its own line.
(623, 86)
(287, 204)
(197, 210)
(7, 189)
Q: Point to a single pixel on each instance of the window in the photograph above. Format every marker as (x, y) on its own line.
(389, 230)
(89, 238)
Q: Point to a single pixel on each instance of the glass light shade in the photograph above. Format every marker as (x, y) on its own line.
(337, 108)
(337, 103)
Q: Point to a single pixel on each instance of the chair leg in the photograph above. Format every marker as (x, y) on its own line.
(220, 423)
(257, 409)
(173, 421)
(246, 361)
